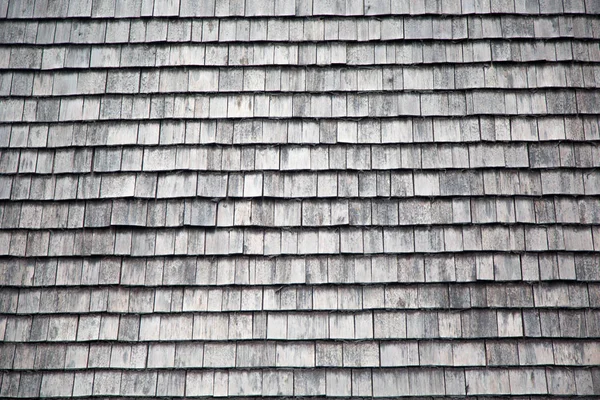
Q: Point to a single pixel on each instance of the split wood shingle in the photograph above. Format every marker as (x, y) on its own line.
(338, 198)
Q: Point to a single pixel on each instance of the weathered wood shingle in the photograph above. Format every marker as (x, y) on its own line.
(247, 198)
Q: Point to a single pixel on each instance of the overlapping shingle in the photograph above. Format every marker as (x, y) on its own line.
(299, 198)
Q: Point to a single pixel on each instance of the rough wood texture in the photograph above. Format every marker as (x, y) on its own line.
(300, 198)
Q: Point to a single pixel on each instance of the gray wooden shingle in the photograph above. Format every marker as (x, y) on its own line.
(170, 228)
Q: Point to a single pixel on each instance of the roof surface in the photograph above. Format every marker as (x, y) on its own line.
(365, 198)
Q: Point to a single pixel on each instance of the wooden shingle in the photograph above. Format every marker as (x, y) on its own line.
(279, 198)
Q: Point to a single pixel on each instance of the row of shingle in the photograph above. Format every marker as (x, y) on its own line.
(509, 182)
(159, 106)
(159, 271)
(312, 80)
(299, 29)
(317, 382)
(274, 132)
(366, 54)
(304, 8)
(320, 297)
(298, 80)
(295, 158)
(296, 213)
(271, 354)
(387, 240)
(295, 325)
(305, 298)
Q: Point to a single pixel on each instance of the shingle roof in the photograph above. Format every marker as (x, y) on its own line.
(340, 198)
